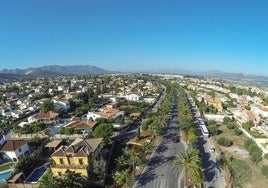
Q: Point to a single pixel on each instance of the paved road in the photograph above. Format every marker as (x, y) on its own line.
(158, 172)
(211, 166)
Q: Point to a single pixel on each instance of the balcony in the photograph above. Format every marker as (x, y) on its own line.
(70, 166)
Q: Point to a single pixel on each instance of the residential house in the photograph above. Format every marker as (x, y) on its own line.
(248, 115)
(243, 101)
(77, 157)
(85, 125)
(263, 111)
(112, 105)
(216, 102)
(61, 105)
(14, 149)
(48, 118)
(105, 113)
(133, 97)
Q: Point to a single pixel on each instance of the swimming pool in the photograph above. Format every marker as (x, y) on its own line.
(56, 129)
(5, 174)
(36, 174)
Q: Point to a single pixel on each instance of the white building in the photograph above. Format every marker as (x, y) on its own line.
(13, 149)
(132, 97)
(263, 111)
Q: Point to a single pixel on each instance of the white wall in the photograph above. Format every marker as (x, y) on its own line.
(17, 153)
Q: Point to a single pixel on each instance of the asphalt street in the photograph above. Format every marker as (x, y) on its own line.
(158, 171)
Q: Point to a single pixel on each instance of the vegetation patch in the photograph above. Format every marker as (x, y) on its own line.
(224, 142)
(6, 166)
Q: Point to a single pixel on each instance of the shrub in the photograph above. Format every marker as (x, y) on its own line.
(226, 120)
(237, 131)
(224, 142)
(254, 151)
(230, 126)
(145, 124)
(247, 143)
(264, 170)
(213, 129)
(266, 156)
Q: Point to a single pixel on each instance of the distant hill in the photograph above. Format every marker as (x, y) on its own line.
(50, 71)
(254, 79)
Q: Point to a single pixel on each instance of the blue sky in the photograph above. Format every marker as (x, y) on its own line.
(136, 35)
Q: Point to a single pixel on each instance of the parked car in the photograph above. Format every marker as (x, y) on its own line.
(212, 149)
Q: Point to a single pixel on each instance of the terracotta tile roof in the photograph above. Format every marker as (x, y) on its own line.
(251, 115)
(107, 112)
(59, 152)
(13, 145)
(79, 147)
(265, 109)
(82, 124)
(47, 115)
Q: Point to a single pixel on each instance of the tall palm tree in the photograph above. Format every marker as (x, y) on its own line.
(135, 157)
(188, 163)
(123, 177)
(74, 179)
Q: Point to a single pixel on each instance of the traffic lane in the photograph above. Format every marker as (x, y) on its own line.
(211, 167)
(158, 171)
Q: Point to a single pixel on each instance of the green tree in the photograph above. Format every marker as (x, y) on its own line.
(223, 141)
(121, 162)
(48, 180)
(73, 179)
(99, 167)
(47, 106)
(104, 131)
(198, 177)
(264, 170)
(189, 163)
(134, 157)
(213, 129)
(146, 147)
(123, 177)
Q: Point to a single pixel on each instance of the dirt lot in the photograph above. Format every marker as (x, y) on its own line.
(238, 151)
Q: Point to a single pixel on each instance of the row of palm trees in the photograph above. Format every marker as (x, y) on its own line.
(69, 180)
(135, 156)
(188, 162)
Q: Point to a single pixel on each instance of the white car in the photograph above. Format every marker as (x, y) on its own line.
(212, 149)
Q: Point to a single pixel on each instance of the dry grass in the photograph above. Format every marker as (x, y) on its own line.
(257, 180)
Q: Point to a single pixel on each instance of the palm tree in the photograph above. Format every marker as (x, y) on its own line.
(47, 180)
(189, 163)
(74, 179)
(134, 157)
(198, 177)
(123, 177)
(146, 147)
(121, 161)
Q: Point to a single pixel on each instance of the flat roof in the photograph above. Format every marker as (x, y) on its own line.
(53, 144)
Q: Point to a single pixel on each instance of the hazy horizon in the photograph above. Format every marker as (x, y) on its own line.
(136, 35)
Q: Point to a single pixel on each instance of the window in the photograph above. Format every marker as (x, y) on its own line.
(81, 161)
(61, 161)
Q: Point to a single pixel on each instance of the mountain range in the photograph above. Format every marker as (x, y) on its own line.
(56, 70)
(50, 71)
